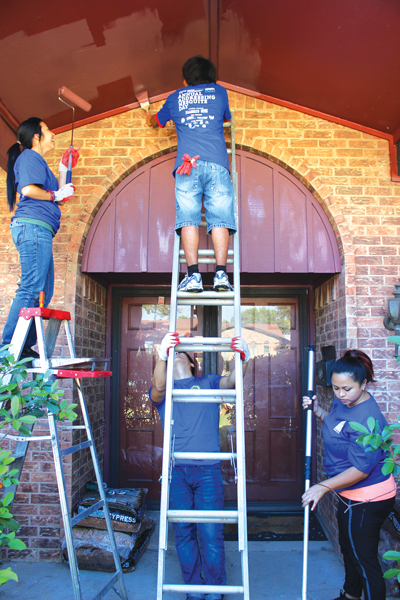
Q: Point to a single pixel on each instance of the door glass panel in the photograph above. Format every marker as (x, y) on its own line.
(271, 393)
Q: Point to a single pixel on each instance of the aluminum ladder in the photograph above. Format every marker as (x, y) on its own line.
(75, 368)
(202, 344)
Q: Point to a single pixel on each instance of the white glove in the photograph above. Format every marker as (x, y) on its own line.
(170, 340)
(62, 168)
(240, 345)
(64, 193)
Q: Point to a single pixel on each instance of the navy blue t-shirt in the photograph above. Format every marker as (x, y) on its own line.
(341, 448)
(199, 112)
(195, 424)
(31, 169)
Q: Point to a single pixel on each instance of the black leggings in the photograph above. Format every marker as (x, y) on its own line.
(359, 529)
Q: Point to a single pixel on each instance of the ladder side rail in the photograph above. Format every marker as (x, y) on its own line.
(167, 437)
(102, 493)
(70, 341)
(41, 342)
(73, 563)
(240, 434)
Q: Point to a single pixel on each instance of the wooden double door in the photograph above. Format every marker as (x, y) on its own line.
(272, 392)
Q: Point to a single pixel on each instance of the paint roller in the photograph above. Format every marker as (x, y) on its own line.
(69, 99)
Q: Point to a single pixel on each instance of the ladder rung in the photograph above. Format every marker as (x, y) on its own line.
(202, 516)
(204, 455)
(203, 589)
(204, 348)
(87, 512)
(207, 294)
(25, 438)
(206, 261)
(205, 252)
(69, 361)
(76, 448)
(204, 396)
(195, 341)
(199, 301)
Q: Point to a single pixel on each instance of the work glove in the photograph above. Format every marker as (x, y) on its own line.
(240, 345)
(186, 166)
(65, 193)
(63, 166)
(170, 340)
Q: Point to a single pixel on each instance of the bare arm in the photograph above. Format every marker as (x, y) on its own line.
(36, 192)
(344, 480)
(159, 381)
(228, 382)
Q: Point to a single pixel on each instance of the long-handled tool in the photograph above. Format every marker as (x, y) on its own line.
(310, 394)
(65, 94)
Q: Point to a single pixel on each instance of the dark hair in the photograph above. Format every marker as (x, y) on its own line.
(25, 133)
(357, 364)
(198, 70)
(192, 368)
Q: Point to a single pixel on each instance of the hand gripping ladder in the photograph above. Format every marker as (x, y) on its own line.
(199, 344)
(75, 368)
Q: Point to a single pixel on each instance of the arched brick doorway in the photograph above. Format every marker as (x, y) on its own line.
(287, 246)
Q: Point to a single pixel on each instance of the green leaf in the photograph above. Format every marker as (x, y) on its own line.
(376, 441)
(8, 499)
(52, 407)
(358, 427)
(391, 573)
(387, 468)
(6, 575)
(371, 424)
(391, 555)
(27, 419)
(367, 439)
(10, 524)
(17, 545)
(395, 339)
(14, 406)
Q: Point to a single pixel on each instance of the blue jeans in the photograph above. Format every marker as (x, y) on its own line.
(35, 246)
(199, 488)
(212, 182)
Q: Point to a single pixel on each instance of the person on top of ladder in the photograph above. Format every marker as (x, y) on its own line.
(36, 219)
(199, 110)
(196, 484)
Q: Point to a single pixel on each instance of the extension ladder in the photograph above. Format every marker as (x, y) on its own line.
(203, 344)
(75, 368)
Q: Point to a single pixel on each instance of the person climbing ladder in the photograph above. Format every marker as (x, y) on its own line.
(199, 110)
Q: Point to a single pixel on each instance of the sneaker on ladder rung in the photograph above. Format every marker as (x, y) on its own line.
(221, 282)
(193, 283)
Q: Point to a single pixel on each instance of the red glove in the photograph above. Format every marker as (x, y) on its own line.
(65, 193)
(240, 345)
(186, 166)
(65, 157)
(169, 341)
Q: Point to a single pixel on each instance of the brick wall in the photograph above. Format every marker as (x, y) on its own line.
(347, 171)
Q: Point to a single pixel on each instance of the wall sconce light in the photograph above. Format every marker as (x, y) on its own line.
(392, 320)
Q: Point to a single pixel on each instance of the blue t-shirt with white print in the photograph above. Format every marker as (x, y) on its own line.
(341, 448)
(199, 112)
(31, 169)
(196, 424)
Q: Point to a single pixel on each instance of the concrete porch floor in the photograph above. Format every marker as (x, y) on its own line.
(275, 574)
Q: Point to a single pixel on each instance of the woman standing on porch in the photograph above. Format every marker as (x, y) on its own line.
(36, 219)
(366, 496)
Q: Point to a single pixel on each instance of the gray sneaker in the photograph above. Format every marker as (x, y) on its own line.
(191, 284)
(221, 282)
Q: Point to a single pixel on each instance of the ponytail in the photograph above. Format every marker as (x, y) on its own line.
(25, 134)
(357, 364)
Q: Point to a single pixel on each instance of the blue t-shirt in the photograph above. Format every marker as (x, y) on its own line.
(31, 169)
(199, 112)
(195, 424)
(341, 448)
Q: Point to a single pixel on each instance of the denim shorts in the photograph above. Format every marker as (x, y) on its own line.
(213, 183)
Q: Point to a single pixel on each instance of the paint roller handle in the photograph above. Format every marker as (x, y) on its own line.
(69, 172)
